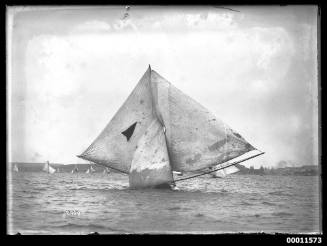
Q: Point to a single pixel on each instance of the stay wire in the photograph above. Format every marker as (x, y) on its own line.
(211, 171)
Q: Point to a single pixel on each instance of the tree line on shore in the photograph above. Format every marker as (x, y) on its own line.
(309, 170)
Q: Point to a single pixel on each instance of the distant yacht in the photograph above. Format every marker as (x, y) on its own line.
(47, 168)
(16, 168)
(106, 171)
(75, 170)
(90, 170)
(224, 172)
(178, 173)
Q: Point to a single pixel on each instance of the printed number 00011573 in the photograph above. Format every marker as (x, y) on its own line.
(303, 240)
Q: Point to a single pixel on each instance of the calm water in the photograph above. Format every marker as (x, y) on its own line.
(238, 203)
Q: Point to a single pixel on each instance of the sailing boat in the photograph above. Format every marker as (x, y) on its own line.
(106, 171)
(224, 172)
(75, 170)
(178, 173)
(159, 130)
(88, 170)
(92, 170)
(47, 168)
(16, 168)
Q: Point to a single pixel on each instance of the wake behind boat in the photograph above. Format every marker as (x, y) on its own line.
(157, 119)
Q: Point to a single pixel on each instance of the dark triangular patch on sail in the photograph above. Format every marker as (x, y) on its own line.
(110, 148)
(129, 131)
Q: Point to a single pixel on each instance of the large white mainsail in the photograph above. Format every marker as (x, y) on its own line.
(159, 121)
(47, 168)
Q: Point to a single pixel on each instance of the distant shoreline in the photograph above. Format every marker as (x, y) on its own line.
(307, 170)
(51, 163)
(38, 167)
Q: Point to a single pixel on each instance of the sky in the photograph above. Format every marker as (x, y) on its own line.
(71, 68)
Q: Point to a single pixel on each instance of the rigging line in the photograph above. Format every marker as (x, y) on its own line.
(109, 167)
(114, 169)
(220, 168)
(221, 7)
(225, 145)
(118, 170)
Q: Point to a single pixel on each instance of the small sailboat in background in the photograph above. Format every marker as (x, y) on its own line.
(106, 171)
(16, 168)
(92, 170)
(178, 173)
(224, 172)
(157, 119)
(48, 169)
(75, 170)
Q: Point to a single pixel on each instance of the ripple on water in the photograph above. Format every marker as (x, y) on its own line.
(174, 208)
(246, 203)
(239, 203)
(24, 206)
(278, 214)
(279, 193)
(269, 203)
(90, 227)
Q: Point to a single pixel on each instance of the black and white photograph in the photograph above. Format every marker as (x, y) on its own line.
(149, 119)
